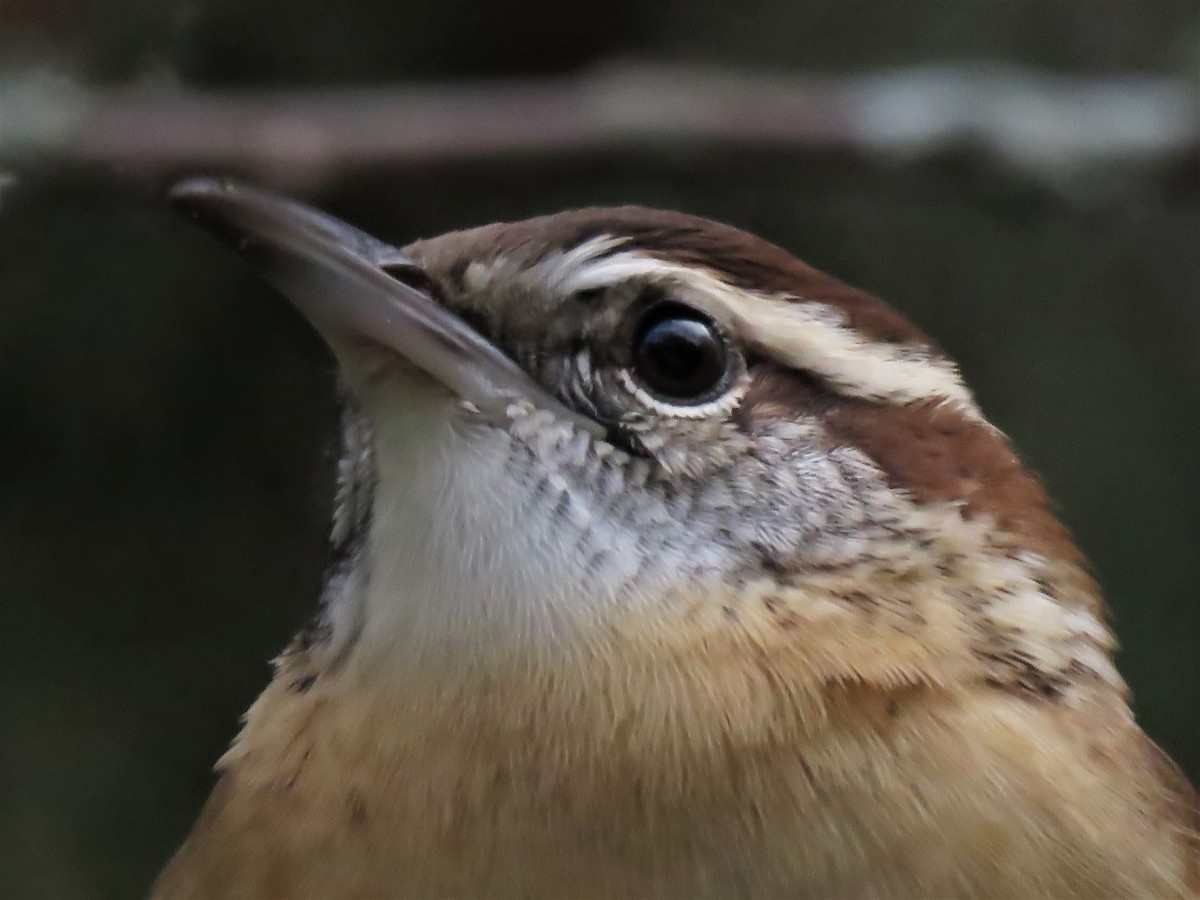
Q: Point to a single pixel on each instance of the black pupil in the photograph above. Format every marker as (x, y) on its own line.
(678, 353)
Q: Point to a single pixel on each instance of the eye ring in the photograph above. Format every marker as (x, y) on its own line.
(679, 354)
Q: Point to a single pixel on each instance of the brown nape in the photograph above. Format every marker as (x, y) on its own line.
(930, 450)
(742, 259)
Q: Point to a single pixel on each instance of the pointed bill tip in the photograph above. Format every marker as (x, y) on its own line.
(347, 282)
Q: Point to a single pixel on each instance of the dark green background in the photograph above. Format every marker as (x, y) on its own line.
(168, 422)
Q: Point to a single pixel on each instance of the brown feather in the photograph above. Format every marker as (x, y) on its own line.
(835, 733)
(741, 258)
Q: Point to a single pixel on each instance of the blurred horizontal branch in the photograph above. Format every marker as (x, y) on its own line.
(1044, 123)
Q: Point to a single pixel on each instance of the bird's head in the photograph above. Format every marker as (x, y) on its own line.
(620, 427)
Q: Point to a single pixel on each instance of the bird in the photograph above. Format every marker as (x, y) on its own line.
(666, 565)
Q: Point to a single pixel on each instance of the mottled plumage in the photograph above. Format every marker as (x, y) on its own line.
(815, 634)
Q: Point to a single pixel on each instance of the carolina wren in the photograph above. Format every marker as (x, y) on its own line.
(666, 565)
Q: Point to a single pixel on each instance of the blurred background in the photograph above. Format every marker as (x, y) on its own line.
(1021, 176)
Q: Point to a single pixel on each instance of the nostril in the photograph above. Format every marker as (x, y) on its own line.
(407, 272)
(399, 265)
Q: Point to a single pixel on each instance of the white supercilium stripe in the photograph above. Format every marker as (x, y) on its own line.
(798, 332)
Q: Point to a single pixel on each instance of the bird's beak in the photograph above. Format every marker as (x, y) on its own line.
(350, 285)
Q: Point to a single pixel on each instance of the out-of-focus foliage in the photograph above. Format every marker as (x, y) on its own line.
(169, 422)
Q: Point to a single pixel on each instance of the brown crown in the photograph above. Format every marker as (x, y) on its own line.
(742, 259)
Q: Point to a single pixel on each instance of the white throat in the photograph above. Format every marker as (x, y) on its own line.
(473, 545)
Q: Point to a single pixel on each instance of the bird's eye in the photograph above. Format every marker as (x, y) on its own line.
(679, 353)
